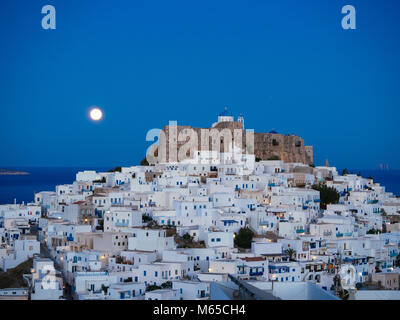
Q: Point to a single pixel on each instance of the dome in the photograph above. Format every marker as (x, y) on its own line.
(225, 113)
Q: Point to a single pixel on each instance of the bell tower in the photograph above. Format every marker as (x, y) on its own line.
(241, 120)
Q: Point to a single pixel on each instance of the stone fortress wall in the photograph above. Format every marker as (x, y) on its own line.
(289, 148)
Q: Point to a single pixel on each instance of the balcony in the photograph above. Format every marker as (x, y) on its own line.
(256, 273)
(276, 270)
(121, 224)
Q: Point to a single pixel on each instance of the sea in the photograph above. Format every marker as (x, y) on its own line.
(22, 187)
(389, 178)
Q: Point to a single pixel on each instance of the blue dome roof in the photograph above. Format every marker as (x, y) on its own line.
(225, 113)
(273, 131)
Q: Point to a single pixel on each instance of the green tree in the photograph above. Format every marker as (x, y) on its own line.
(104, 288)
(328, 195)
(291, 253)
(144, 162)
(345, 171)
(152, 287)
(243, 238)
(274, 157)
(146, 218)
(166, 285)
(116, 169)
(187, 237)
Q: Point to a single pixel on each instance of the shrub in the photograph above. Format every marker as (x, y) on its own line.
(166, 285)
(144, 162)
(146, 218)
(187, 237)
(152, 287)
(243, 238)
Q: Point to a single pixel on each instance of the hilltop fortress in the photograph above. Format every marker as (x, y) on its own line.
(265, 146)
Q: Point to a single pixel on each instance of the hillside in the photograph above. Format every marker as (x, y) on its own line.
(13, 277)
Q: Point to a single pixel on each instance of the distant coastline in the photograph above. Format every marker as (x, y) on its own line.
(6, 172)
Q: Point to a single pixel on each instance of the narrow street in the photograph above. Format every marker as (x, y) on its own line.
(45, 253)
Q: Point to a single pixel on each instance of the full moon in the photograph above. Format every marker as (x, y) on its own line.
(96, 114)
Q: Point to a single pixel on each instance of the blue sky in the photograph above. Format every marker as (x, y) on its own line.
(286, 65)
